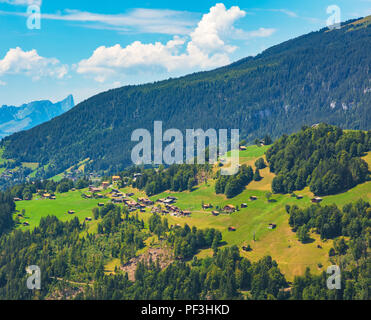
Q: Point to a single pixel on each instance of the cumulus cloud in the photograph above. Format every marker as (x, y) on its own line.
(205, 47)
(17, 61)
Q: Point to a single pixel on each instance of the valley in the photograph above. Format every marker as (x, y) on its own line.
(281, 243)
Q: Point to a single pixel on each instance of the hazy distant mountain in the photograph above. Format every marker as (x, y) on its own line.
(27, 116)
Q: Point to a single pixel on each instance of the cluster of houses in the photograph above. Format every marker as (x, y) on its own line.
(119, 197)
(166, 206)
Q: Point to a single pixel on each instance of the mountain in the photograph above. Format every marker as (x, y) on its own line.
(323, 76)
(15, 119)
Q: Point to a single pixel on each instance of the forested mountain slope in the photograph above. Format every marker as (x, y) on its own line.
(319, 77)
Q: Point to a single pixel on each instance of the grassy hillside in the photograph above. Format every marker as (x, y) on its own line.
(281, 243)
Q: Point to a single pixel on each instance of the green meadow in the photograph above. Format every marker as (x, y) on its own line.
(251, 222)
(38, 207)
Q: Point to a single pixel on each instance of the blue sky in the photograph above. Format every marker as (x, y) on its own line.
(86, 47)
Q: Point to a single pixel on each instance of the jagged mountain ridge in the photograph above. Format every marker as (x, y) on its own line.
(14, 119)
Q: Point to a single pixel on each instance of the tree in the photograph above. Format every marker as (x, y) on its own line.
(268, 195)
(191, 183)
(302, 234)
(260, 163)
(95, 213)
(81, 184)
(257, 176)
(267, 140)
(63, 187)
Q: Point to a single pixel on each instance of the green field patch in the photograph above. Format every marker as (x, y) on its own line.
(70, 201)
(31, 165)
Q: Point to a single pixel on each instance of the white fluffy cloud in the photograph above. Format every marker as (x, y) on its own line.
(17, 61)
(204, 48)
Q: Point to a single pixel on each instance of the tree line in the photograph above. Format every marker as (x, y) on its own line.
(325, 158)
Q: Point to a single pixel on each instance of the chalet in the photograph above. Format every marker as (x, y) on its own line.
(157, 210)
(243, 148)
(117, 200)
(232, 229)
(99, 195)
(116, 178)
(26, 224)
(137, 175)
(215, 213)
(299, 197)
(272, 226)
(129, 194)
(71, 212)
(168, 201)
(100, 204)
(244, 205)
(229, 208)
(46, 195)
(173, 208)
(105, 184)
(253, 198)
(247, 249)
(94, 190)
(186, 213)
(17, 199)
(73, 189)
(88, 219)
(172, 198)
(317, 200)
(207, 206)
(53, 198)
(132, 203)
(148, 202)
